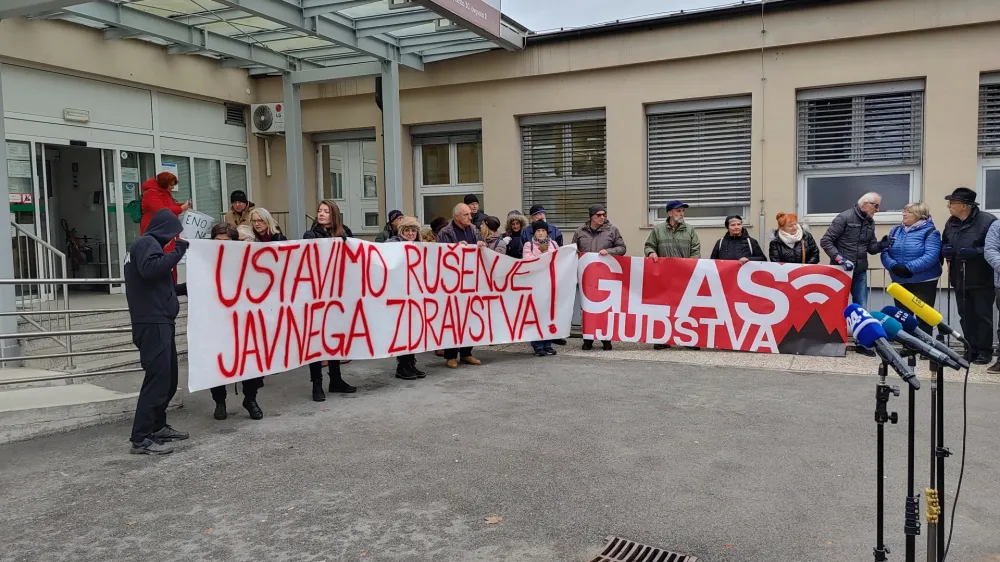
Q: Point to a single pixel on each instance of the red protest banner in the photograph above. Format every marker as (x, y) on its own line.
(758, 306)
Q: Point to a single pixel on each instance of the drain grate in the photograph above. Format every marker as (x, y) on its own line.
(624, 550)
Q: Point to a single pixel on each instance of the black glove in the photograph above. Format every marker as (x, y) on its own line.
(948, 252)
(969, 253)
(181, 246)
(900, 270)
(885, 243)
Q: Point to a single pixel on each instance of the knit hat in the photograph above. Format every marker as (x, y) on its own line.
(731, 218)
(492, 223)
(395, 214)
(594, 209)
(238, 196)
(785, 218)
(539, 225)
(470, 199)
(535, 209)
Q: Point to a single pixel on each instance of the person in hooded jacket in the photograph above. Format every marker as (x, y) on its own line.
(791, 243)
(156, 195)
(516, 223)
(152, 305)
(737, 244)
(913, 260)
(537, 213)
(328, 225)
(407, 230)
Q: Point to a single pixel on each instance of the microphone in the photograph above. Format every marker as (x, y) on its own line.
(870, 333)
(894, 332)
(923, 311)
(910, 326)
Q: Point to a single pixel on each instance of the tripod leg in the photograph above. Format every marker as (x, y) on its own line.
(912, 524)
(940, 453)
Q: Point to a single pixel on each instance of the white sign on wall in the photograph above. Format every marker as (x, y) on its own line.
(172, 168)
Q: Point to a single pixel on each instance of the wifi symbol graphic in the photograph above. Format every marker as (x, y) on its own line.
(817, 279)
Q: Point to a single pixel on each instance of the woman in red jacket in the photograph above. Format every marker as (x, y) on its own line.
(155, 196)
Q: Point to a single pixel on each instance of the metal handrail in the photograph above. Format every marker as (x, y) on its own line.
(51, 251)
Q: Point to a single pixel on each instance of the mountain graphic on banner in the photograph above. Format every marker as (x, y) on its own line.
(813, 338)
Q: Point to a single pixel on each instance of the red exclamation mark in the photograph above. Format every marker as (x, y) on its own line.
(552, 294)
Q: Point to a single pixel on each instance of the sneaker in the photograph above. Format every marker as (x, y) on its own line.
(220, 411)
(983, 358)
(470, 360)
(167, 433)
(549, 351)
(540, 353)
(994, 368)
(253, 409)
(588, 345)
(452, 363)
(150, 447)
(559, 341)
(606, 345)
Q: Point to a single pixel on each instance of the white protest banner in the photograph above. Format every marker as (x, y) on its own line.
(196, 225)
(256, 309)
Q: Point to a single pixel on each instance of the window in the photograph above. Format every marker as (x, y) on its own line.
(182, 192)
(564, 165)
(208, 188)
(855, 140)
(236, 178)
(347, 171)
(448, 160)
(699, 152)
(989, 141)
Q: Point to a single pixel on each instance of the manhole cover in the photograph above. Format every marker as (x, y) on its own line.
(624, 550)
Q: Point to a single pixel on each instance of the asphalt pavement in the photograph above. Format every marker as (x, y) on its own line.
(523, 458)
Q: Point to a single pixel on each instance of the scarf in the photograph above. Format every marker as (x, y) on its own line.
(543, 245)
(790, 240)
(265, 237)
(919, 224)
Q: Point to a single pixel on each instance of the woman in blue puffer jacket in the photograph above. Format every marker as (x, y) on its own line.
(913, 260)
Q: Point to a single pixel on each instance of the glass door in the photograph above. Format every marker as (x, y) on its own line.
(135, 167)
(348, 174)
(115, 217)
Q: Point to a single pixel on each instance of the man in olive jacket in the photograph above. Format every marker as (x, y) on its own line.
(673, 238)
(601, 237)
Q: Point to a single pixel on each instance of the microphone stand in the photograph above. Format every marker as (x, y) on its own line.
(933, 509)
(912, 523)
(940, 452)
(882, 394)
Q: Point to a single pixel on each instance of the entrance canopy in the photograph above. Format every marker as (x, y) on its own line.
(319, 40)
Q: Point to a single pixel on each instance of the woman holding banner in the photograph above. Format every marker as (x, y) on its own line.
(265, 228)
(226, 231)
(737, 244)
(407, 230)
(792, 243)
(328, 225)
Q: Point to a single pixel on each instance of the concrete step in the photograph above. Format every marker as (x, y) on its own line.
(106, 342)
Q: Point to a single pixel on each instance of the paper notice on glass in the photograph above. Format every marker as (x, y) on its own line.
(18, 151)
(130, 175)
(18, 168)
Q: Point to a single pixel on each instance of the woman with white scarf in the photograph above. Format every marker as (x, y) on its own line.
(792, 243)
(913, 260)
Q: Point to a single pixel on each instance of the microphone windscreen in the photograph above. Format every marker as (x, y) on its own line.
(866, 330)
(907, 320)
(916, 306)
(889, 324)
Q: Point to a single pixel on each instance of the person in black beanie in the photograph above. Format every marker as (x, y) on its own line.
(737, 244)
(153, 307)
(478, 215)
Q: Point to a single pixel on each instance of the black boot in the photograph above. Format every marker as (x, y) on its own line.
(220, 411)
(253, 409)
(337, 384)
(403, 371)
(412, 365)
(316, 377)
(588, 345)
(318, 395)
(606, 345)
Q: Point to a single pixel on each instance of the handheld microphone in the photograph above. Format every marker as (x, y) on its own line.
(869, 333)
(912, 327)
(894, 332)
(923, 311)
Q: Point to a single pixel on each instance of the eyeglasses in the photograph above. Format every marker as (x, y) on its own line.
(255, 221)
(600, 214)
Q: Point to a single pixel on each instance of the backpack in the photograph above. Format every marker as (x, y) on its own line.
(134, 210)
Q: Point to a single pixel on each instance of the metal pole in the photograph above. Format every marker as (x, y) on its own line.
(392, 137)
(8, 348)
(294, 157)
(69, 329)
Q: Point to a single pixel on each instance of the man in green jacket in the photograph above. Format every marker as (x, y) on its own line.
(673, 238)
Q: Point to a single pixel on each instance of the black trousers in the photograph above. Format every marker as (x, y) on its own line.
(250, 389)
(927, 292)
(457, 352)
(316, 370)
(158, 357)
(975, 307)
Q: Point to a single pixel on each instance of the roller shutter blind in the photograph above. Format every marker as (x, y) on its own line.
(989, 120)
(861, 131)
(564, 169)
(699, 157)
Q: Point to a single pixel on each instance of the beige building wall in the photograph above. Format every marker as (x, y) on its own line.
(841, 44)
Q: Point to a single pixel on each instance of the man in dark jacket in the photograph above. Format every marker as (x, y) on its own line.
(153, 307)
(849, 240)
(737, 245)
(963, 245)
(538, 214)
(460, 231)
(391, 227)
(478, 215)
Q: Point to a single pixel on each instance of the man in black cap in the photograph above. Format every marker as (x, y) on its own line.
(239, 209)
(598, 235)
(963, 245)
(391, 228)
(478, 215)
(538, 214)
(673, 238)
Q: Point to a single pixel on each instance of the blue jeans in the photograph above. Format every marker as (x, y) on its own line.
(859, 289)
(541, 345)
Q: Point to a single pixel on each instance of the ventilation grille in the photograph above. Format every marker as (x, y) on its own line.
(624, 550)
(234, 115)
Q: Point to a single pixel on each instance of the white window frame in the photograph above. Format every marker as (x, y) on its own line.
(452, 187)
(889, 217)
(987, 164)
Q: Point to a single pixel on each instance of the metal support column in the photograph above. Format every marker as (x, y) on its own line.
(294, 157)
(392, 133)
(8, 324)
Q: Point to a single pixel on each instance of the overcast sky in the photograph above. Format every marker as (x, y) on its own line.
(539, 15)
